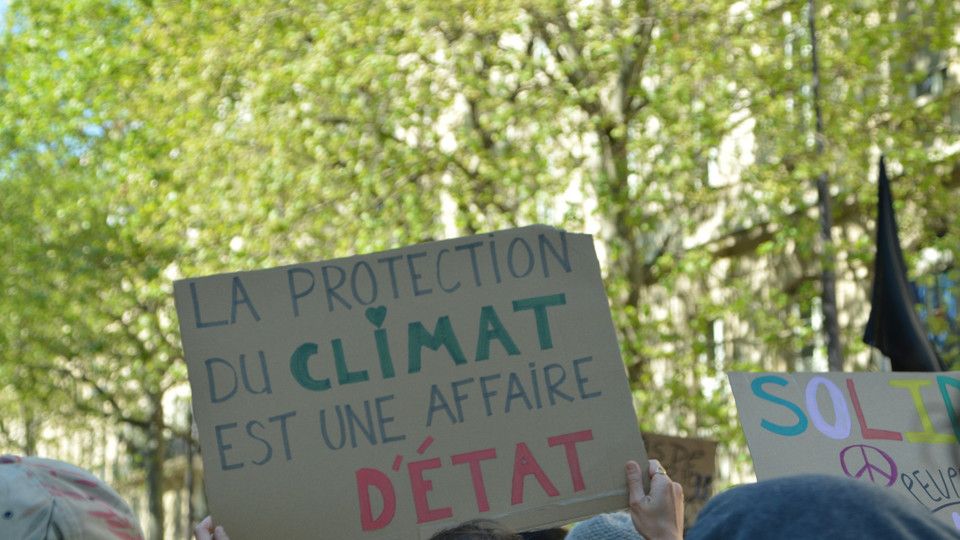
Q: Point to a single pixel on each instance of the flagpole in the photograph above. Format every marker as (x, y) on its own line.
(828, 279)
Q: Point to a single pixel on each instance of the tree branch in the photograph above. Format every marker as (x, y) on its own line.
(634, 59)
(106, 396)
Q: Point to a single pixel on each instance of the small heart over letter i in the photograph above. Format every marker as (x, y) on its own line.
(376, 315)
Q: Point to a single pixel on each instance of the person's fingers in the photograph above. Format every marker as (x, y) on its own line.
(220, 534)
(202, 530)
(656, 467)
(678, 498)
(635, 481)
(659, 481)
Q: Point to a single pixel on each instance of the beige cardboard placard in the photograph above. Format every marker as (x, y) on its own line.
(898, 431)
(388, 395)
(689, 461)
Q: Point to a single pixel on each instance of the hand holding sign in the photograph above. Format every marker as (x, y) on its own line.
(659, 514)
(205, 530)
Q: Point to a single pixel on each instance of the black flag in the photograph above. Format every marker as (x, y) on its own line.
(894, 326)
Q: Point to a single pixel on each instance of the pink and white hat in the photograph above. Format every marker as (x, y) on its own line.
(46, 499)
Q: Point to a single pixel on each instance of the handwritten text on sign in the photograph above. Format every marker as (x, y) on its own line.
(386, 395)
(899, 431)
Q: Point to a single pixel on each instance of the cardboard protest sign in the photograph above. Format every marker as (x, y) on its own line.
(691, 462)
(899, 431)
(393, 394)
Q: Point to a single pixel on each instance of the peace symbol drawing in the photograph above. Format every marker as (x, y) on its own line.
(868, 463)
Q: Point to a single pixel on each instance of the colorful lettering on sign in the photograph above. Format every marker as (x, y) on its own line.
(840, 427)
(866, 431)
(444, 336)
(376, 485)
(929, 434)
(238, 297)
(787, 431)
(943, 383)
(423, 273)
(935, 489)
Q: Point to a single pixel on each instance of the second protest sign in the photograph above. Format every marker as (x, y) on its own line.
(897, 431)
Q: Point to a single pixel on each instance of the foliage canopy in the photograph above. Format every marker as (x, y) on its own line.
(145, 140)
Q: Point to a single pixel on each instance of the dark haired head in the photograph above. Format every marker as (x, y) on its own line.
(555, 533)
(477, 529)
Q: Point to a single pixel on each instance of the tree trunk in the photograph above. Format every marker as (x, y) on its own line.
(828, 280)
(30, 426)
(156, 454)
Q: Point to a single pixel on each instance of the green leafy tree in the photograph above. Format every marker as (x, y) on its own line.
(145, 141)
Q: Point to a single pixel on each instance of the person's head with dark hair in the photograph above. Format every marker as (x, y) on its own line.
(815, 506)
(477, 529)
(555, 533)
